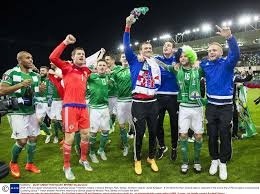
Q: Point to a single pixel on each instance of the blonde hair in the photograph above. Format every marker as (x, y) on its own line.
(215, 43)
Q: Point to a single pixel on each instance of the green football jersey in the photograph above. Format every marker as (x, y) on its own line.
(112, 89)
(122, 78)
(87, 93)
(14, 76)
(185, 87)
(43, 96)
(98, 90)
(52, 91)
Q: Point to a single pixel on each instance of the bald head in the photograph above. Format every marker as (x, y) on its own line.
(21, 54)
(25, 59)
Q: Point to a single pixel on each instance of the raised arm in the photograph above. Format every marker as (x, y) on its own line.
(130, 55)
(56, 53)
(233, 52)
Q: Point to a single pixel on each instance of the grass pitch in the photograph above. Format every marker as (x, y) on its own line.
(243, 168)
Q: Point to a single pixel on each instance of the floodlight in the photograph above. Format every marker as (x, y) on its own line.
(121, 47)
(229, 23)
(186, 32)
(256, 18)
(243, 20)
(206, 27)
(165, 36)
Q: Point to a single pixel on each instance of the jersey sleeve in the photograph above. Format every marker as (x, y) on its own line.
(55, 58)
(129, 53)
(171, 69)
(233, 52)
(201, 72)
(7, 77)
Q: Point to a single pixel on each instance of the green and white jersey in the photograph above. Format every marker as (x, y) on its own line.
(52, 91)
(122, 78)
(98, 90)
(87, 93)
(43, 96)
(14, 76)
(189, 83)
(91, 67)
(112, 89)
(43, 80)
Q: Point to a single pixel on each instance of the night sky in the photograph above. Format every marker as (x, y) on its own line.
(38, 26)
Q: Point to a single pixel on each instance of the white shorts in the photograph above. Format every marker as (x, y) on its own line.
(191, 118)
(99, 119)
(112, 105)
(124, 112)
(56, 108)
(24, 126)
(42, 109)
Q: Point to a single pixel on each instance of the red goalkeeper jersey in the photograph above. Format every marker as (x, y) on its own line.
(74, 78)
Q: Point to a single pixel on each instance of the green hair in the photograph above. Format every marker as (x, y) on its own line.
(190, 54)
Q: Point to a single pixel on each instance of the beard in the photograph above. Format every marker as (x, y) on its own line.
(44, 75)
(27, 66)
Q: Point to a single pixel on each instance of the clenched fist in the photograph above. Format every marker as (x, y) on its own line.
(130, 20)
(51, 71)
(70, 39)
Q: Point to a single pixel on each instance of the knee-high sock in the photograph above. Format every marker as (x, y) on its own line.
(92, 139)
(56, 127)
(84, 150)
(77, 140)
(103, 140)
(112, 120)
(44, 127)
(31, 146)
(184, 150)
(197, 149)
(59, 125)
(16, 150)
(66, 154)
(123, 135)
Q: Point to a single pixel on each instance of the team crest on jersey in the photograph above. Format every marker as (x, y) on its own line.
(194, 95)
(71, 127)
